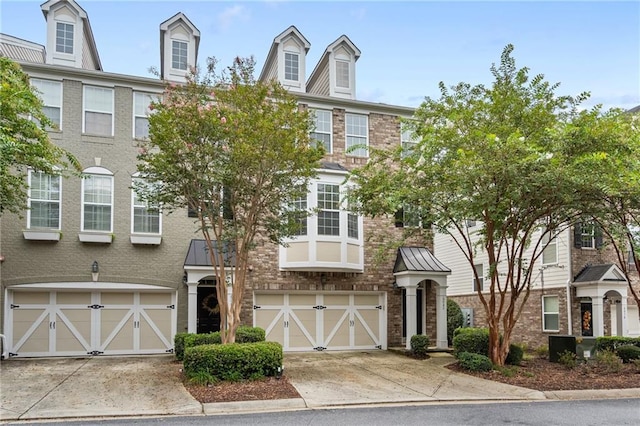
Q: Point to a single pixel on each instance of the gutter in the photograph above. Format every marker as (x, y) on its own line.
(569, 279)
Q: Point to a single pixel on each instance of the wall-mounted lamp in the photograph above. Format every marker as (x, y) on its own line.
(95, 270)
(395, 285)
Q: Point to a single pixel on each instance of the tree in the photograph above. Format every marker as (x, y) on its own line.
(237, 152)
(613, 173)
(24, 141)
(502, 155)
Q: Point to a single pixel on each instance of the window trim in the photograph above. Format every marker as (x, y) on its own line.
(73, 35)
(347, 64)
(330, 132)
(30, 199)
(135, 178)
(347, 135)
(85, 110)
(135, 115)
(552, 242)
(337, 210)
(480, 278)
(45, 104)
(102, 172)
(173, 49)
(544, 313)
(297, 66)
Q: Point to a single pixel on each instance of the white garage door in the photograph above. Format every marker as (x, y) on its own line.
(66, 323)
(322, 321)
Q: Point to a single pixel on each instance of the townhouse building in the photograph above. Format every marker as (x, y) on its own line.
(577, 287)
(89, 269)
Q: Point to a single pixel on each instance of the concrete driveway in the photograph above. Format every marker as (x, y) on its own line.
(94, 387)
(342, 378)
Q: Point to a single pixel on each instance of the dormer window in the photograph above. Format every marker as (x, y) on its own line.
(342, 74)
(291, 66)
(64, 38)
(179, 55)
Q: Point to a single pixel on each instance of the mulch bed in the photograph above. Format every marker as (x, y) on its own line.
(267, 388)
(542, 375)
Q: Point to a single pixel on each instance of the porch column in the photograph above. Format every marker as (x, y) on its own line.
(411, 312)
(597, 313)
(192, 307)
(441, 317)
(621, 317)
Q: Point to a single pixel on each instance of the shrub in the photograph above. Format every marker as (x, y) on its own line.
(233, 361)
(568, 359)
(609, 361)
(473, 340)
(244, 334)
(419, 345)
(611, 343)
(628, 353)
(474, 362)
(514, 357)
(542, 351)
(454, 319)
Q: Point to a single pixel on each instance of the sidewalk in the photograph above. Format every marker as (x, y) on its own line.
(140, 386)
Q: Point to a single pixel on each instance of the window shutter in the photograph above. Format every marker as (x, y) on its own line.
(227, 211)
(399, 216)
(598, 236)
(577, 235)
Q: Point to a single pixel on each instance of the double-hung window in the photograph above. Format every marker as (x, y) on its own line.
(408, 142)
(64, 38)
(478, 283)
(587, 234)
(51, 94)
(550, 313)
(322, 132)
(291, 66)
(357, 133)
(328, 209)
(300, 205)
(98, 111)
(141, 111)
(97, 201)
(179, 54)
(44, 200)
(550, 249)
(342, 74)
(146, 216)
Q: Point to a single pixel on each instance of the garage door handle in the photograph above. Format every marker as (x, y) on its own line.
(52, 325)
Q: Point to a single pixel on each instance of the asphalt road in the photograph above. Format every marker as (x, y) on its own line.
(570, 413)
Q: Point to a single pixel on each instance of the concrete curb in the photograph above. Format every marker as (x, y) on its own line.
(261, 406)
(593, 394)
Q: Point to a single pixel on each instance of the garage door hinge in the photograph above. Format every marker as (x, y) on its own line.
(379, 307)
(379, 347)
(95, 353)
(319, 307)
(95, 306)
(170, 351)
(14, 306)
(256, 307)
(171, 306)
(319, 348)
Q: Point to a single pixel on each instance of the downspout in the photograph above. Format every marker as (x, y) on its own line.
(569, 279)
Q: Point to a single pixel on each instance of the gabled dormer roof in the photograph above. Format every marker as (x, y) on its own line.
(293, 41)
(180, 25)
(322, 80)
(92, 60)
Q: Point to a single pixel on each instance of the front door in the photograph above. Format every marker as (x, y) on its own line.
(419, 301)
(208, 310)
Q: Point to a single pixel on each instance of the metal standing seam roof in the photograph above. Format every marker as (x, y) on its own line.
(594, 273)
(418, 259)
(198, 254)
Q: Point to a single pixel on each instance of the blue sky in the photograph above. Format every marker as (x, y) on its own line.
(407, 47)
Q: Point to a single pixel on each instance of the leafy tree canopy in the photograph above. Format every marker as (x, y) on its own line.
(24, 141)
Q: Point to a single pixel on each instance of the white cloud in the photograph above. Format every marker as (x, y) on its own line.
(230, 15)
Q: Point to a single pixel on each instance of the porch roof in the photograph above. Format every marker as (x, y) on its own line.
(599, 273)
(418, 259)
(198, 254)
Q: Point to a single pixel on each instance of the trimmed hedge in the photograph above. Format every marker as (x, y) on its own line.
(234, 361)
(611, 343)
(419, 345)
(628, 353)
(515, 355)
(474, 362)
(472, 340)
(244, 334)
